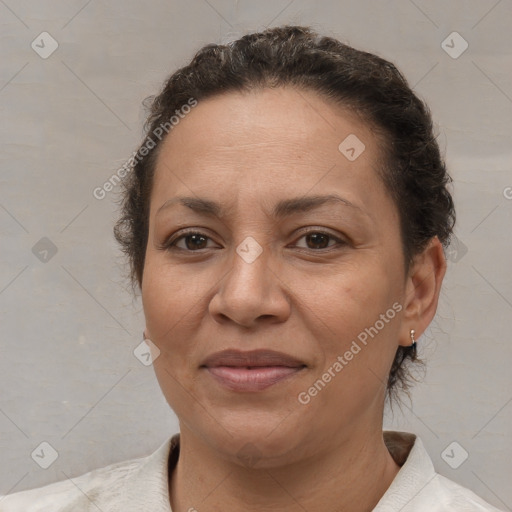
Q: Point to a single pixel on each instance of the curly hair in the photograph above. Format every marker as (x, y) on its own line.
(412, 169)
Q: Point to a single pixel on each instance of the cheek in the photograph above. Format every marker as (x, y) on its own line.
(350, 298)
(357, 346)
(168, 302)
(169, 299)
(354, 315)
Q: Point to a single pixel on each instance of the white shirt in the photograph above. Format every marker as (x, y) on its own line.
(142, 485)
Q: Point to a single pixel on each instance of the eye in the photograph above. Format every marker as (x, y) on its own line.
(318, 240)
(193, 241)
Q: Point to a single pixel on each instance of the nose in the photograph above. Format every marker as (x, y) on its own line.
(251, 293)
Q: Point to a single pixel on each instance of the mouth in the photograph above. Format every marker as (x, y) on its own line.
(251, 371)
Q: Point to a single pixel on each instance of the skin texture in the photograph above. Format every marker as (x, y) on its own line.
(248, 151)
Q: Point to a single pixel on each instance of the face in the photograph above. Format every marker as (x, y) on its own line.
(243, 265)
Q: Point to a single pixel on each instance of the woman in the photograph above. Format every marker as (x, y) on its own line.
(285, 221)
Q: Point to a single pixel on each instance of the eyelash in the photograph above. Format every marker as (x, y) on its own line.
(170, 244)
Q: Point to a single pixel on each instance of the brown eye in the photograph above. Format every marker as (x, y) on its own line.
(195, 241)
(192, 241)
(318, 240)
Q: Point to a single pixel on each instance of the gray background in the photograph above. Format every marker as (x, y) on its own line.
(68, 375)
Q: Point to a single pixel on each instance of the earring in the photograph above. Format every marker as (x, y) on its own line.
(413, 344)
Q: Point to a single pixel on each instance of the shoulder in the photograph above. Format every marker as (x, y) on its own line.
(116, 487)
(418, 487)
(80, 493)
(452, 496)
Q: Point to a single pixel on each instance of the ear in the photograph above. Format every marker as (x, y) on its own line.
(422, 288)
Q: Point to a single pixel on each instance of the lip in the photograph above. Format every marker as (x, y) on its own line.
(253, 370)
(256, 358)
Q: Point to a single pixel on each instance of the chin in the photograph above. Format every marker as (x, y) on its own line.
(254, 439)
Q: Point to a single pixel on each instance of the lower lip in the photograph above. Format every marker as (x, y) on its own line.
(255, 379)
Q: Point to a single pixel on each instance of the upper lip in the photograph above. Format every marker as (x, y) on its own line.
(233, 357)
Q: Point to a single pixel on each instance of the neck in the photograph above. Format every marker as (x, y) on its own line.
(351, 476)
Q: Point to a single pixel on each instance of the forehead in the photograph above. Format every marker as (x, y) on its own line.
(271, 142)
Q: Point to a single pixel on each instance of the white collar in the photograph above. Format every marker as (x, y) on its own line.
(149, 482)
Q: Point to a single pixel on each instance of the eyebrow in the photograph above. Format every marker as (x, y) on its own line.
(284, 208)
